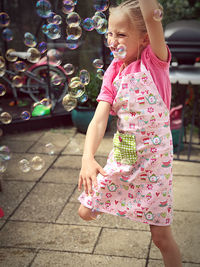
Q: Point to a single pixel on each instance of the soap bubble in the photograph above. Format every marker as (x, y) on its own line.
(72, 44)
(83, 98)
(4, 19)
(158, 14)
(98, 63)
(2, 72)
(101, 5)
(50, 148)
(73, 19)
(5, 117)
(69, 68)
(50, 18)
(56, 79)
(24, 165)
(69, 102)
(37, 163)
(74, 33)
(2, 89)
(76, 88)
(55, 57)
(42, 47)
(57, 19)
(67, 8)
(20, 66)
(3, 166)
(25, 115)
(100, 14)
(103, 29)
(9, 56)
(5, 153)
(2, 62)
(44, 28)
(17, 81)
(46, 102)
(71, 2)
(29, 39)
(7, 35)
(98, 21)
(88, 24)
(84, 77)
(100, 73)
(33, 55)
(120, 51)
(53, 31)
(43, 8)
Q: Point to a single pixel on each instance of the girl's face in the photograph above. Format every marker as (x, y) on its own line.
(122, 31)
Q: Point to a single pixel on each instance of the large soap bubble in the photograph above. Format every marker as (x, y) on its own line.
(53, 31)
(69, 102)
(4, 19)
(5, 153)
(73, 19)
(33, 55)
(43, 8)
(37, 163)
(66, 9)
(88, 24)
(7, 34)
(84, 77)
(24, 165)
(72, 44)
(98, 63)
(17, 81)
(76, 88)
(69, 68)
(74, 33)
(42, 47)
(10, 56)
(5, 117)
(101, 5)
(20, 66)
(120, 51)
(55, 56)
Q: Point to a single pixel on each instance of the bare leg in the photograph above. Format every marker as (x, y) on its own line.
(163, 239)
(87, 214)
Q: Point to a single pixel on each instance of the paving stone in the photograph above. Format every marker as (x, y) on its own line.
(13, 193)
(75, 145)
(187, 235)
(44, 203)
(52, 259)
(74, 197)
(15, 257)
(17, 145)
(70, 161)
(186, 193)
(25, 136)
(123, 243)
(70, 216)
(59, 175)
(105, 147)
(2, 221)
(49, 236)
(58, 139)
(13, 171)
(183, 168)
(159, 263)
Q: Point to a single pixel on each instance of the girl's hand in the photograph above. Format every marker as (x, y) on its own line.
(88, 174)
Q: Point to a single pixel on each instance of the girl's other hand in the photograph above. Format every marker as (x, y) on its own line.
(88, 174)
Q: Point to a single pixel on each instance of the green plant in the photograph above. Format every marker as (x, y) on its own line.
(92, 91)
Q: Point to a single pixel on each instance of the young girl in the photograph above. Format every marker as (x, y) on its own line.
(136, 182)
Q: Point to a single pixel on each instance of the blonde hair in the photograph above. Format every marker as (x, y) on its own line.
(132, 9)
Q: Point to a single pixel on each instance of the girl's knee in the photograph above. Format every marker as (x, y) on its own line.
(161, 236)
(84, 213)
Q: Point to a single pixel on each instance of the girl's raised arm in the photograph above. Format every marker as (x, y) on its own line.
(154, 28)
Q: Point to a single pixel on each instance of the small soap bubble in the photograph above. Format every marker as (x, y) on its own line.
(42, 47)
(2, 89)
(25, 115)
(44, 28)
(37, 163)
(69, 102)
(24, 165)
(17, 81)
(50, 148)
(46, 102)
(50, 18)
(73, 19)
(20, 66)
(57, 19)
(100, 73)
(33, 55)
(29, 39)
(84, 77)
(5, 117)
(69, 68)
(9, 56)
(55, 57)
(101, 5)
(7, 34)
(53, 31)
(103, 29)
(100, 14)
(76, 89)
(43, 8)
(5, 153)
(158, 14)
(72, 44)
(2, 72)
(74, 33)
(98, 63)
(4, 19)
(2, 62)
(97, 21)
(88, 24)
(56, 79)
(3, 166)
(66, 9)
(120, 51)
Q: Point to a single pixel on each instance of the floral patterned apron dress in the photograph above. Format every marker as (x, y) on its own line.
(139, 167)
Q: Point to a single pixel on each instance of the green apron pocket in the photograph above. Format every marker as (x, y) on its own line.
(125, 148)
